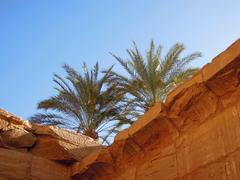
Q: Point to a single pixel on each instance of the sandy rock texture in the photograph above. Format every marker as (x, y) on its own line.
(195, 135)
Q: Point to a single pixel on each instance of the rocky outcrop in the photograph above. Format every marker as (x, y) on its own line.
(193, 135)
(59, 144)
(49, 142)
(18, 165)
(31, 151)
(18, 138)
(14, 132)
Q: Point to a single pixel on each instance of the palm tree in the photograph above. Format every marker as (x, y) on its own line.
(85, 103)
(151, 77)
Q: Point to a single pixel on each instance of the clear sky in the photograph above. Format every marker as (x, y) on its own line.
(37, 37)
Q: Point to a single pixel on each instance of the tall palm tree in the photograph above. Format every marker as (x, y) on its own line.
(85, 103)
(151, 77)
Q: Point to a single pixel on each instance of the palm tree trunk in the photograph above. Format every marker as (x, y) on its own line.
(91, 134)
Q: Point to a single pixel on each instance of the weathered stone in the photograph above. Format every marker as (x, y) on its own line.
(3, 124)
(196, 79)
(195, 135)
(226, 167)
(18, 138)
(122, 135)
(101, 157)
(10, 117)
(4, 114)
(55, 149)
(199, 109)
(230, 98)
(58, 144)
(183, 99)
(17, 165)
(142, 130)
(149, 116)
(51, 148)
(14, 165)
(130, 173)
(165, 167)
(12, 121)
(221, 61)
(116, 150)
(224, 82)
(209, 142)
(160, 129)
(45, 169)
(64, 135)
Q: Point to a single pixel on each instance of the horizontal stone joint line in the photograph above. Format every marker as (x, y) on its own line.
(212, 162)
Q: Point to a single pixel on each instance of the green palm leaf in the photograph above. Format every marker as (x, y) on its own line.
(85, 102)
(152, 77)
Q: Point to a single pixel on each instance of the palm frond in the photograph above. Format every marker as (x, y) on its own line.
(152, 76)
(47, 119)
(84, 101)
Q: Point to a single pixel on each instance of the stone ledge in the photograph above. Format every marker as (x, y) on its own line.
(207, 73)
(18, 165)
(210, 69)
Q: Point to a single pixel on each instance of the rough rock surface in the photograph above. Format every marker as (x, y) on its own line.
(28, 151)
(18, 165)
(59, 144)
(18, 138)
(55, 149)
(195, 134)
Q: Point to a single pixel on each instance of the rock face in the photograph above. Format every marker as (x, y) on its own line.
(49, 142)
(195, 134)
(18, 138)
(58, 144)
(31, 151)
(18, 165)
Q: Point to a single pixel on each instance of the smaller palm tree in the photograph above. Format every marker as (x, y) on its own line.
(151, 77)
(85, 103)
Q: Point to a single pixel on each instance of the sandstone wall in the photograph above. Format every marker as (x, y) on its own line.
(24, 166)
(195, 134)
(31, 151)
(208, 151)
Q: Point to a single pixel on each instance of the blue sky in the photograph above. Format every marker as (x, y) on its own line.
(37, 37)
